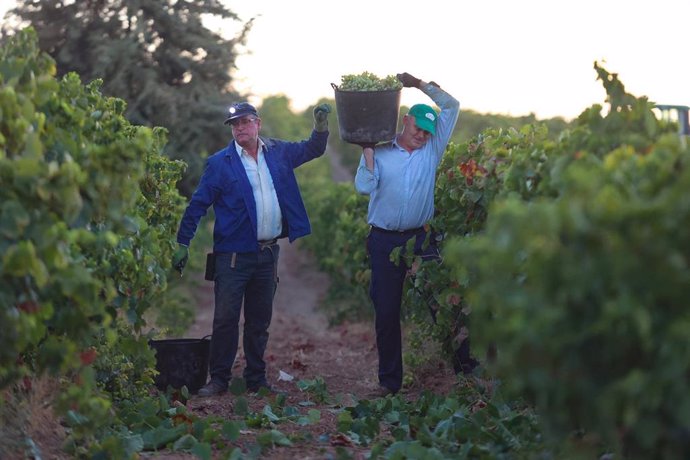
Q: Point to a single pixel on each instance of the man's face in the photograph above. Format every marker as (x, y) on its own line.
(245, 129)
(413, 137)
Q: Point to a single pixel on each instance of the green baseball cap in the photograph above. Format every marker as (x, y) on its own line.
(424, 116)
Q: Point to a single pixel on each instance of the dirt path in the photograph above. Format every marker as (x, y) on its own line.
(301, 343)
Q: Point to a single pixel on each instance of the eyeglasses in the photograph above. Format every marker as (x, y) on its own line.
(242, 122)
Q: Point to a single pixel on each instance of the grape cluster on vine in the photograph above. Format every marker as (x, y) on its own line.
(367, 81)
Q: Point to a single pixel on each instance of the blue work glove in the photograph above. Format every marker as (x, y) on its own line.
(321, 112)
(180, 258)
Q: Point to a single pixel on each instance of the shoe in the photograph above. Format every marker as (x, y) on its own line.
(212, 389)
(381, 392)
(466, 367)
(463, 362)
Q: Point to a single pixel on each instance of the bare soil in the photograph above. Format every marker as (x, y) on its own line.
(301, 343)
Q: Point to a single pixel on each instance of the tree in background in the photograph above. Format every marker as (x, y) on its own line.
(157, 55)
(472, 123)
(278, 119)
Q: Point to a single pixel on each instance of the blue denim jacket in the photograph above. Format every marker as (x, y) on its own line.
(224, 184)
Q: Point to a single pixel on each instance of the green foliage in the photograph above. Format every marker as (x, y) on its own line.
(465, 424)
(573, 257)
(157, 56)
(569, 250)
(89, 210)
(338, 217)
(470, 178)
(124, 363)
(278, 120)
(367, 81)
(316, 388)
(473, 123)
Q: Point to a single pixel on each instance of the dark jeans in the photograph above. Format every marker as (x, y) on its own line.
(250, 277)
(385, 291)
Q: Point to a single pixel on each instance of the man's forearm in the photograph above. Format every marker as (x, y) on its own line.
(368, 153)
(438, 95)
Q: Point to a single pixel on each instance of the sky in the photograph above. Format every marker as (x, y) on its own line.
(495, 56)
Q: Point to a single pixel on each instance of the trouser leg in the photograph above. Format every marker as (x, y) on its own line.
(258, 310)
(232, 275)
(386, 294)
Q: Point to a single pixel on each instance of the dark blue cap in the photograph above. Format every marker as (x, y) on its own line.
(239, 110)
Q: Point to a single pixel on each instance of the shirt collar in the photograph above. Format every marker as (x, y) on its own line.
(400, 147)
(241, 151)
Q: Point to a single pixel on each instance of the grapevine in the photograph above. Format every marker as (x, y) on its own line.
(367, 81)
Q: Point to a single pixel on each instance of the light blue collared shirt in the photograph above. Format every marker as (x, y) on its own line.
(401, 187)
(269, 219)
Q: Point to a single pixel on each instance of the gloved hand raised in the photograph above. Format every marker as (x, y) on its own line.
(408, 81)
(321, 112)
(180, 258)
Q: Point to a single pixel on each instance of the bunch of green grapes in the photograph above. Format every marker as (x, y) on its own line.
(367, 81)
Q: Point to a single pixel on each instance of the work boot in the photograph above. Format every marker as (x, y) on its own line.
(212, 389)
(463, 360)
(381, 392)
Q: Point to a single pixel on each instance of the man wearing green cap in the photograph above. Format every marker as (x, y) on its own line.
(399, 177)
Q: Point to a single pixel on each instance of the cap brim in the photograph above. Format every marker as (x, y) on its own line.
(240, 115)
(235, 117)
(426, 125)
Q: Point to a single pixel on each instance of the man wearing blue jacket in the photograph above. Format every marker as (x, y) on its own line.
(252, 187)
